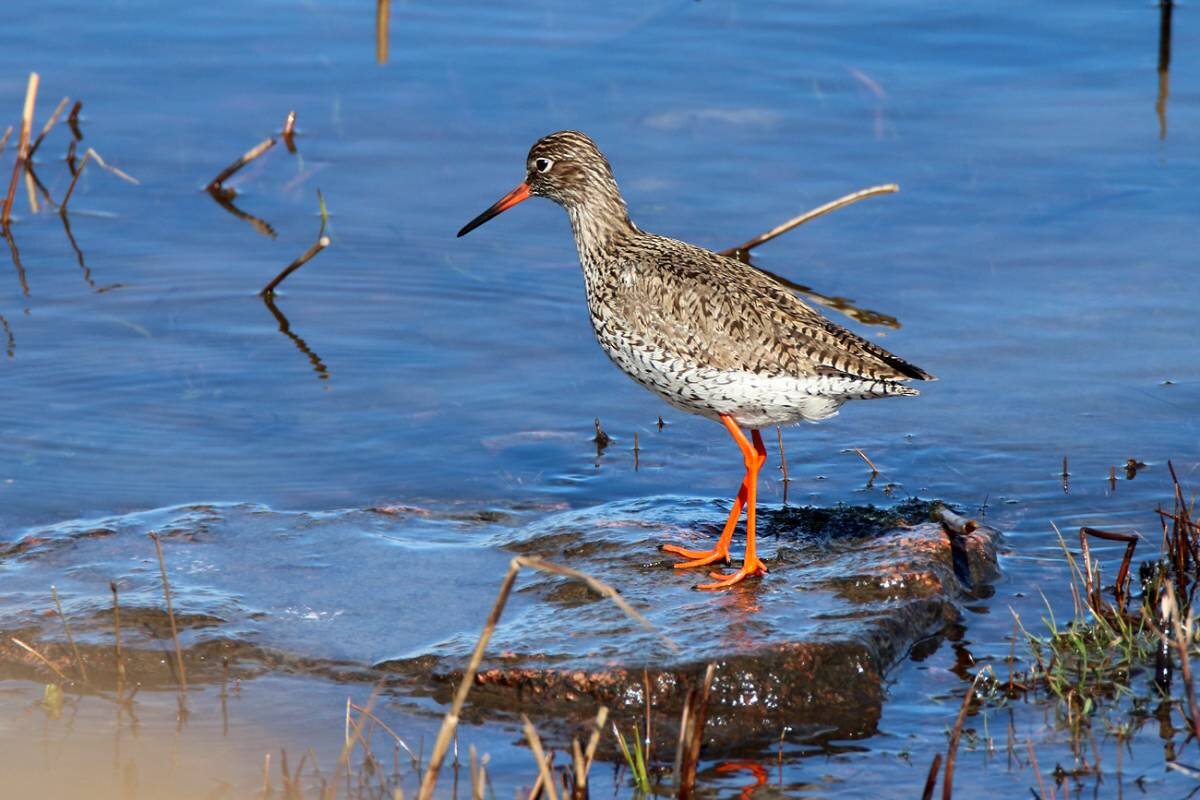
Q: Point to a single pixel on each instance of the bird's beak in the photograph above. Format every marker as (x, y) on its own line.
(503, 204)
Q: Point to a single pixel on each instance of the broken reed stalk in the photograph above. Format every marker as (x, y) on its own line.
(871, 464)
(117, 637)
(289, 131)
(952, 750)
(382, 15)
(92, 155)
(70, 637)
(1037, 771)
(594, 740)
(450, 721)
(22, 147)
(321, 243)
(1183, 635)
(535, 744)
(1130, 539)
(307, 256)
(4, 139)
(369, 715)
(795, 222)
(73, 121)
(62, 105)
(217, 183)
(931, 778)
(162, 569)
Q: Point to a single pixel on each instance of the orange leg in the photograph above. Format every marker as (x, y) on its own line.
(754, 457)
(700, 558)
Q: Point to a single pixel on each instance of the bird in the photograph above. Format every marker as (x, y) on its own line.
(707, 333)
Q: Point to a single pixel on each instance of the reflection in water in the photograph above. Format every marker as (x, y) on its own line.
(753, 767)
(224, 198)
(285, 328)
(16, 259)
(10, 344)
(87, 273)
(1164, 64)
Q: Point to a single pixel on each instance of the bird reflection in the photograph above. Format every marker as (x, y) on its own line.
(285, 327)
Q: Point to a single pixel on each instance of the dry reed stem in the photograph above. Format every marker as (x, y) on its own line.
(649, 700)
(70, 638)
(382, 724)
(217, 183)
(1130, 540)
(594, 739)
(4, 139)
(450, 721)
(931, 777)
(794, 222)
(266, 787)
(117, 637)
(62, 105)
(22, 147)
(696, 716)
(41, 658)
(289, 131)
(535, 744)
(307, 256)
(162, 569)
(1170, 609)
(73, 121)
(382, 16)
(871, 464)
(952, 750)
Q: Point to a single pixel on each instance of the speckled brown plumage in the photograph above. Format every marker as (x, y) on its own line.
(707, 333)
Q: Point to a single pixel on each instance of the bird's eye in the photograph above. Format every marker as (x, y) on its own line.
(543, 164)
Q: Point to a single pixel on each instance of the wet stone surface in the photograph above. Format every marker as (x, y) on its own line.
(850, 591)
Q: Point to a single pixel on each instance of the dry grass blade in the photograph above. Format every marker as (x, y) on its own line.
(450, 721)
(369, 715)
(1037, 771)
(594, 739)
(794, 222)
(956, 734)
(217, 183)
(41, 658)
(535, 744)
(1183, 630)
(931, 778)
(70, 638)
(162, 569)
(382, 15)
(22, 147)
(692, 737)
(92, 155)
(62, 106)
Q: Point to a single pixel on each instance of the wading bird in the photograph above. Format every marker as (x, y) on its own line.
(708, 334)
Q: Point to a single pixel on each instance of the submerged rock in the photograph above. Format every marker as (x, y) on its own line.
(850, 591)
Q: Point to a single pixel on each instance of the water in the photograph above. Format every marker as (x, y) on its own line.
(1039, 256)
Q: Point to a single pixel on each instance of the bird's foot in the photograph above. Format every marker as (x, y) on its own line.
(697, 558)
(723, 580)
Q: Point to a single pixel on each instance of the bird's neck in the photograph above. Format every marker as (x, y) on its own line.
(598, 225)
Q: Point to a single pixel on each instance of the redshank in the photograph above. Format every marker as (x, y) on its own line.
(708, 334)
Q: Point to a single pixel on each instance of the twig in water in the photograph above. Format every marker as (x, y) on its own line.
(41, 658)
(321, 243)
(288, 133)
(535, 744)
(62, 105)
(22, 147)
(1130, 540)
(4, 139)
(691, 735)
(450, 721)
(92, 155)
(216, 185)
(863, 456)
(841, 202)
(1066, 477)
(162, 569)
(952, 750)
(1037, 771)
(70, 638)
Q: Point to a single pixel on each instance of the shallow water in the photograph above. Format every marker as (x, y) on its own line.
(1040, 257)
